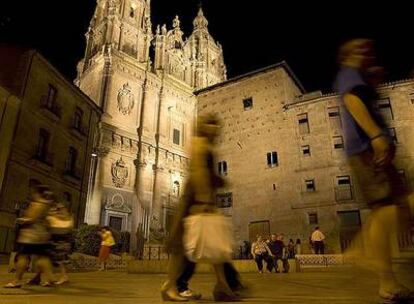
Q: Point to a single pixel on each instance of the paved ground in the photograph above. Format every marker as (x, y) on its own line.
(335, 286)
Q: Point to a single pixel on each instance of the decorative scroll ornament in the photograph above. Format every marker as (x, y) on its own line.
(119, 173)
(125, 99)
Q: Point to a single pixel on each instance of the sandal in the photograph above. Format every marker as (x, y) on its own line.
(13, 285)
(46, 284)
(61, 282)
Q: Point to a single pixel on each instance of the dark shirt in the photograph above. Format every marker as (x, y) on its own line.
(276, 247)
(350, 80)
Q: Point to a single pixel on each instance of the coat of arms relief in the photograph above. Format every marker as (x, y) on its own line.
(119, 173)
(126, 99)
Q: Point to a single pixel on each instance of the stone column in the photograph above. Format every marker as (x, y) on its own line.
(94, 205)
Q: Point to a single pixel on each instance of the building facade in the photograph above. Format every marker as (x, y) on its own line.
(282, 153)
(48, 126)
(144, 82)
(281, 149)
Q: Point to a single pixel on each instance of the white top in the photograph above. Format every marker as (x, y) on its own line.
(317, 236)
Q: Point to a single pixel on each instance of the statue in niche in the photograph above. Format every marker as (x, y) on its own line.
(176, 189)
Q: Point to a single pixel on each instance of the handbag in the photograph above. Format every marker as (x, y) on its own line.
(208, 238)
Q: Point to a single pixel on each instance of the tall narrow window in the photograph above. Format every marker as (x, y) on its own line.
(132, 12)
(71, 161)
(384, 106)
(77, 120)
(343, 188)
(51, 97)
(176, 137)
(303, 123)
(222, 168)
(272, 160)
(334, 118)
(43, 144)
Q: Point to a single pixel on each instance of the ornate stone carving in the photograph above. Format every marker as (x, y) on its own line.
(126, 99)
(117, 203)
(119, 173)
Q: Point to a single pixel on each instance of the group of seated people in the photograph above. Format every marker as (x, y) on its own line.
(273, 250)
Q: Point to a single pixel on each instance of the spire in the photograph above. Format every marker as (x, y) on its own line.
(200, 22)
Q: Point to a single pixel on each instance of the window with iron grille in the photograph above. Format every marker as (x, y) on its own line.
(303, 123)
(272, 160)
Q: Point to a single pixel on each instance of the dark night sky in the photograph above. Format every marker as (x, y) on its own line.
(253, 33)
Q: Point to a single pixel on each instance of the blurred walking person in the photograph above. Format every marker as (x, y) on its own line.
(34, 238)
(60, 225)
(371, 151)
(199, 232)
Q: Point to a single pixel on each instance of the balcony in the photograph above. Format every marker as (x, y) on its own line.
(51, 109)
